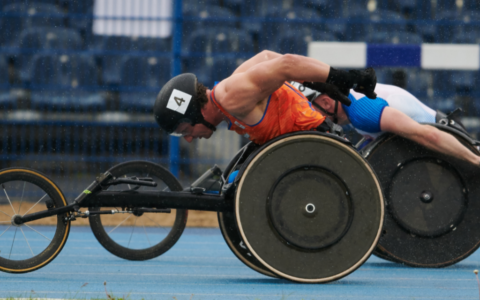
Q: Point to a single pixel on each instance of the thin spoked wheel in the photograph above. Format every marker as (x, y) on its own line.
(29, 246)
(145, 235)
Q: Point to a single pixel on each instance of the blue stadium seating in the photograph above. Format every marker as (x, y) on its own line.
(141, 79)
(65, 83)
(203, 43)
(7, 101)
(18, 16)
(293, 41)
(198, 5)
(151, 44)
(224, 67)
(453, 23)
(382, 37)
(209, 16)
(464, 82)
(43, 39)
(447, 26)
(388, 21)
(419, 83)
(472, 37)
(111, 50)
(278, 21)
(354, 27)
(442, 84)
(254, 13)
(325, 8)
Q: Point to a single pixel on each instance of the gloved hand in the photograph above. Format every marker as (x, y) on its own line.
(329, 89)
(362, 81)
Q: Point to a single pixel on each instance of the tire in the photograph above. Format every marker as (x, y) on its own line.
(276, 200)
(165, 237)
(451, 216)
(28, 247)
(228, 227)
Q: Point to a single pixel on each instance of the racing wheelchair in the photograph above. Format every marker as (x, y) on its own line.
(432, 216)
(305, 206)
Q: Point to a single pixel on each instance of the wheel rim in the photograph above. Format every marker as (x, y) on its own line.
(139, 235)
(29, 246)
(262, 241)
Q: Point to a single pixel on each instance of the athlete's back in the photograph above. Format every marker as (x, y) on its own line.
(365, 113)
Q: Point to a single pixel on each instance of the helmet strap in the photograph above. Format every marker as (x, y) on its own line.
(209, 125)
(334, 114)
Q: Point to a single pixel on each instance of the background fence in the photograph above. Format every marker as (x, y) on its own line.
(78, 77)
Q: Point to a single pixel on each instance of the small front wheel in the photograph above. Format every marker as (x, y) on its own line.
(142, 235)
(29, 246)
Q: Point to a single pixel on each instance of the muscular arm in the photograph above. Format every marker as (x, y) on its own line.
(263, 56)
(399, 123)
(244, 90)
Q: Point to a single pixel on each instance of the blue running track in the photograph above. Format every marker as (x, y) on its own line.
(201, 266)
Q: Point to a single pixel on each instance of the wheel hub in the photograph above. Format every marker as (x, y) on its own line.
(17, 220)
(293, 208)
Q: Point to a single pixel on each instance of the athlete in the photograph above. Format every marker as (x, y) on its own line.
(394, 110)
(256, 100)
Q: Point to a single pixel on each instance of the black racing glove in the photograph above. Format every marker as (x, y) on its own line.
(362, 81)
(329, 89)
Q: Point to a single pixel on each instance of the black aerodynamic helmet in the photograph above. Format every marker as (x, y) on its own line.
(176, 103)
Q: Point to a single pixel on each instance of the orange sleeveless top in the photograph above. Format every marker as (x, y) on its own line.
(287, 111)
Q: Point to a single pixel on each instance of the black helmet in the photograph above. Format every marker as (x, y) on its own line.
(176, 104)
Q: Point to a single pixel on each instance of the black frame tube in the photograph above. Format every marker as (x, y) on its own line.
(146, 199)
(159, 200)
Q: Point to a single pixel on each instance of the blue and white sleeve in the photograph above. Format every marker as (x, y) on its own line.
(365, 113)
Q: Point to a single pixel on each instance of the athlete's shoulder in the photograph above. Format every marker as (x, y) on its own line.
(365, 113)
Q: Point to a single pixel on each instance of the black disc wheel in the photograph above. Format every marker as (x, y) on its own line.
(137, 234)
(229, 229)
(29, 246)
(432, 218)
(309, 208)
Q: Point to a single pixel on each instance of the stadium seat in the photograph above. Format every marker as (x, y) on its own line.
(151, 44)
(325, 8)
(446, 27)
(388, 21)
(210, 16)
(80, 13)
(254, 14)
(65, 83)
(18, 16)
(224, 67)
(141, 79)
(111, 50)
(296, 42)
(464, 82)
(43, 39)
(354, 28)
(198, 5)
(472, 37)
(394, 38)
(204, 43)
(278, 21)
(419, 83)
(442, 84)
(7, 100)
